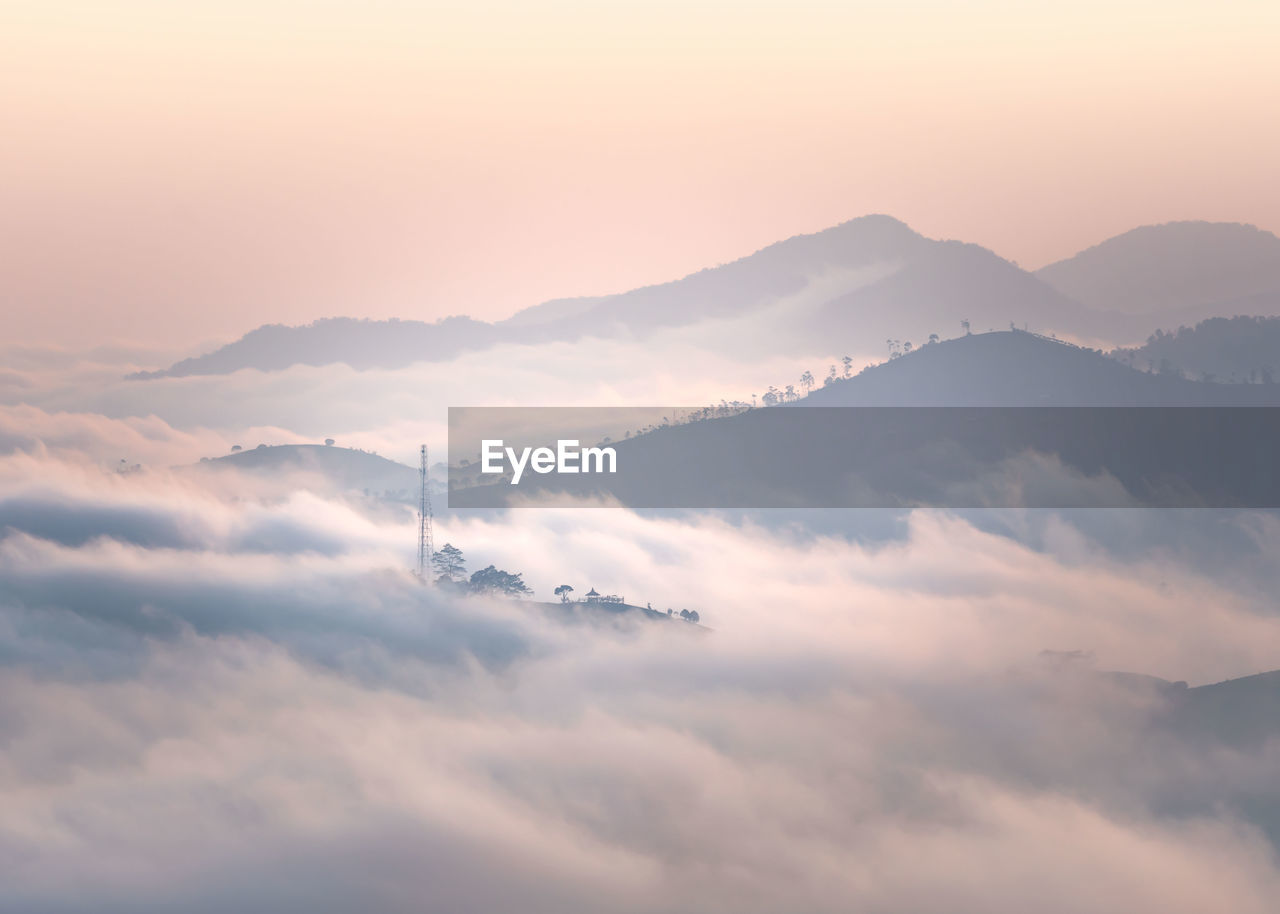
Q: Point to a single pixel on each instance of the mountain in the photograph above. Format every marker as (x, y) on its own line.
(1013, 368)
(731, 289)
(894, 281)
(864, 281)
(361, 344)
(1179, 272)
(1231, 349)
(860, 282)
(338, 469)
(839, 447)
(1237, 711)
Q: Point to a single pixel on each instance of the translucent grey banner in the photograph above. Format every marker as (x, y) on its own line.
(865, 457)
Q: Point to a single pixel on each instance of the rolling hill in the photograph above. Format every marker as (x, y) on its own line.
(1236, 711)
(1013, 368)
(337, 469)
(1230, 349)
(1180, 272)
(362, 344)
(841, 446)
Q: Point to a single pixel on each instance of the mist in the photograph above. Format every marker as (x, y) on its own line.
(212, 700)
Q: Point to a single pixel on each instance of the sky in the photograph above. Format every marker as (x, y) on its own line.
(176, 174)
(226, 692)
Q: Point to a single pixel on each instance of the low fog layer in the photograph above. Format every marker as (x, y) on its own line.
(81, 406)
(214, 701)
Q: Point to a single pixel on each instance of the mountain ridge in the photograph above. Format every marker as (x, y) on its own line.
(343, 468)
(868, 277)
(1186, 270)
(863, 280)
(1017, 368)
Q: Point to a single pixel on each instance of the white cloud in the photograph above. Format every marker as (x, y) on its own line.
(196, 722)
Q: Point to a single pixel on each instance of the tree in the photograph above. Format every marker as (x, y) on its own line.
(494, 580)
(906, 347)
(328, 442)
(449, 563)
(848, 366)
(806, 381)
(791, 393)
(933, 338)
(964, 325)
(563, 592)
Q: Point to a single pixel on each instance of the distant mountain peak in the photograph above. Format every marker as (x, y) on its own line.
(1179, 270)
(1193, 233)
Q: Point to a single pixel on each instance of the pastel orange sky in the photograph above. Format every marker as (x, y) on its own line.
(177, 173)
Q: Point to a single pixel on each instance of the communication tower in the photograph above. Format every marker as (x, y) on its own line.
(425, 549)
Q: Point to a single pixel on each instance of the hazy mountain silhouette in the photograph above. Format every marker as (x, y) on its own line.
(947, 282)
(730, 289)
(1243, 711)
(1239, 712)
(865, 280)
(1218, 720)
(1012, 368)
(1179, 272)
(359, 343)
(1234, 349)
(898, 282)
(344, 469)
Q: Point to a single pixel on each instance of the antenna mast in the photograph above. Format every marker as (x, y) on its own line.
(425, 549)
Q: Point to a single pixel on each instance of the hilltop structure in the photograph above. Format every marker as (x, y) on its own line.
(595, 597)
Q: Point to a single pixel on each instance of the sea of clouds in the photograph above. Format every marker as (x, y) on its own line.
(215, 698)
(78, 403)
(227, 692)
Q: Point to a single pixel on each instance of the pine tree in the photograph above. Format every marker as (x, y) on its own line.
(448, 562)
